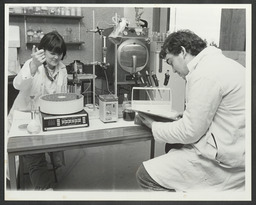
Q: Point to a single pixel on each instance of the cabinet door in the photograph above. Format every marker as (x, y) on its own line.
(232, 31)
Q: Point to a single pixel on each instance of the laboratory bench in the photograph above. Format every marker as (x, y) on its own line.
(20, 142)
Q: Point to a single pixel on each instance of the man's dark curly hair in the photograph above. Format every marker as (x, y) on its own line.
(186, 38)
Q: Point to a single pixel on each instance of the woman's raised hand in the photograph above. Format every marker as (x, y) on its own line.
(38, 58)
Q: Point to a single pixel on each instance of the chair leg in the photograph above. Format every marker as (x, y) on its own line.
(54, 167)
(21, 173)
(63, 158)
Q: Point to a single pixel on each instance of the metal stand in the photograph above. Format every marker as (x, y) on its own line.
(93, 59)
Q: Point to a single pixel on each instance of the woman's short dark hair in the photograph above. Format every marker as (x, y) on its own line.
(53, 42)
(186, 38)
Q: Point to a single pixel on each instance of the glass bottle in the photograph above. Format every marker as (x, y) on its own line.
(62, 11)
(128, 113)
(57, 11)
(35, 36)
(67, 11)
(30, 10)
(30, 33)
(72, 11)
(41, 35)
(38, 31)
(37, 10)
(34, 126)
(68, 34)
(44, 10)
(78, 11)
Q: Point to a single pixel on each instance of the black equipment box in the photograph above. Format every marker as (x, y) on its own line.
(58, 122)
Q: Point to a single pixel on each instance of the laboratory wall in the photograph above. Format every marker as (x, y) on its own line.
(103, 19)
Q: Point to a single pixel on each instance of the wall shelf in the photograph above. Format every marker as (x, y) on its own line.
(77, 43)
(27, 18)
(44, 16)
(67, 43)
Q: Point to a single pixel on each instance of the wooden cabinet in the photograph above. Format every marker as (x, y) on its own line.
(232, 31)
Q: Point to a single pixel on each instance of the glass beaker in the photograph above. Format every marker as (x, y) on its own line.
(68, 34)
(34, 126)
(30, 33)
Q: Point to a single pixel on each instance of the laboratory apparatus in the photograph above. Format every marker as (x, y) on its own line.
(108, 108)
(62, 111)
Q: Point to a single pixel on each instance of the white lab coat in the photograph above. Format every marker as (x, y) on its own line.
(212, 129)
(37, 85)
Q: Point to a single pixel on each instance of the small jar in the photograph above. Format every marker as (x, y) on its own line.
(57, 11)
(73, 11)
(164, 35)
(52, 10)
(30, 10)
(44, 10)
(39, 30)
(62, 11)
(68, 34)
(78, 11)
(18, 10)
(37, 10)
(41, 35)
(35, 36)
(30, 33)
(67, 11)
(11, 10)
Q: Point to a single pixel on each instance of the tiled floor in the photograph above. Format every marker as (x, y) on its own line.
(108, 168)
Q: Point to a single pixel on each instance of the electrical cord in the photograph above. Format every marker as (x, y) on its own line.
(107, 82)
(86, 88)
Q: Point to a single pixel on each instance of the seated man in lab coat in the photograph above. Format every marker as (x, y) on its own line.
(212, 128)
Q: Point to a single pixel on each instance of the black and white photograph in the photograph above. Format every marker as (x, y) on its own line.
(127, 102)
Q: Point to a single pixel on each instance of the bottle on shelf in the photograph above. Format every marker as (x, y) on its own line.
(30, 10)
(62, 11)
(30, 33)
(18, 10)
(38, 31)
(11, 10)
(72, 11)
(128, 113)
(52, 10)
(44, 10)
(35, 36)
(57, 11)
(68, 35)
(78, 11)
(41, 35)
(67, 11)
(37, 10)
